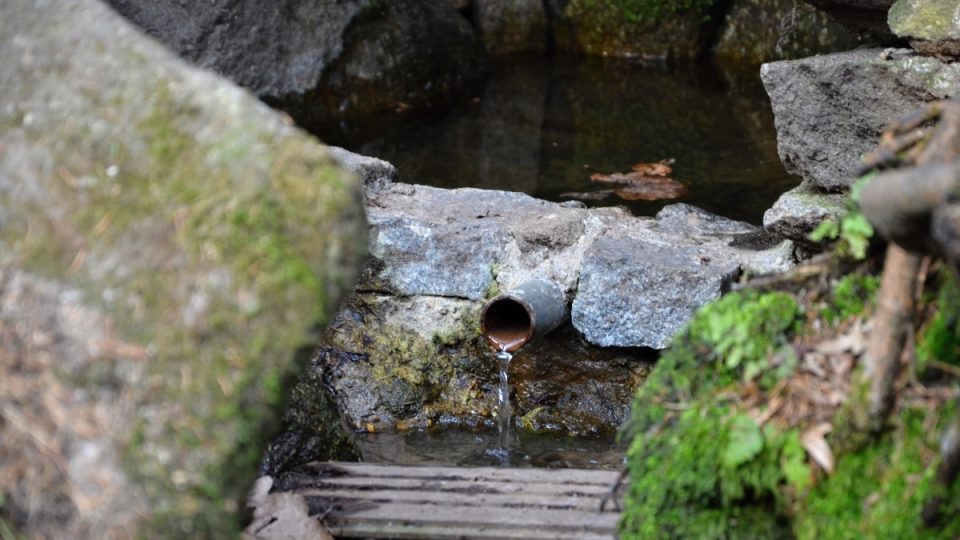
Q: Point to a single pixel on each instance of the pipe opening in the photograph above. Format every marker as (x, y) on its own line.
(507, 324)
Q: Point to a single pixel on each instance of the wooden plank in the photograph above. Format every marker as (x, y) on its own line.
(419, 532)
(460, 486)
(459, 516)
(575, 476)
(441, 498)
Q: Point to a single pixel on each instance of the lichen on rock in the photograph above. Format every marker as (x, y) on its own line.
(201, 235)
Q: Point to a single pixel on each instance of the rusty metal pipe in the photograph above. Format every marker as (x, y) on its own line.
(532, 309)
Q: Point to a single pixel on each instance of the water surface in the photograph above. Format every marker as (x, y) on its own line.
(471, 448)
(544, 127)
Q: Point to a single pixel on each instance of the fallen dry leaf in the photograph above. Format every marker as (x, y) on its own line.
(815, 443)
(659, 168)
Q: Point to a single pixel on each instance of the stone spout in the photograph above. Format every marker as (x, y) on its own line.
(532, 309)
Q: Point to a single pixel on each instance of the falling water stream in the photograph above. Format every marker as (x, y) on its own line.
(503, 402)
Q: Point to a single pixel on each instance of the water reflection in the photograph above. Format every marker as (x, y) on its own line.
(544, 127)
(465, 447)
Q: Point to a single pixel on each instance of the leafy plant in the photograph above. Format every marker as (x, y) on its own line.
(746, 441)
(850, 296)
(745, 330)
(940, 339)
(851, 231)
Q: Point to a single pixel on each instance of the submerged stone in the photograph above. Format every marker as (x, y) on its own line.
(167, 242)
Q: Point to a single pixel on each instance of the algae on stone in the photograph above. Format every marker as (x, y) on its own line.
(651, 29)
(203, 236)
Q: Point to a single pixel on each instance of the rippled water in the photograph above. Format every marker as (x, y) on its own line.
(544, 127)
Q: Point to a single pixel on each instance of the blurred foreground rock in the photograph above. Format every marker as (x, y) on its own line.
(166, 244)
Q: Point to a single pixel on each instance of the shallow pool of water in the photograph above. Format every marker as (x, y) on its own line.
(467, 447)
(544, 127)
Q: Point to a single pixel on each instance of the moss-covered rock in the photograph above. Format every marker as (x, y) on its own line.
(757, 31)
(721, 437)
(932, 26)
(697, 462)
(649, 29)
(178, 240)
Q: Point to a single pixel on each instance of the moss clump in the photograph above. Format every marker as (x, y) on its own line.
(940, 339)
(698, 466)
(878, 492)
(645, 12)
(702, 466)
(851, 296)
(651, 28)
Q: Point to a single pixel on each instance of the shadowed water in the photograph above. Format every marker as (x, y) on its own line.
(544, 127)
(465, 447)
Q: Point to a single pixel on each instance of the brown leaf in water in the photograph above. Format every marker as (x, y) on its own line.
(815, 443)
(659, 168)
(652, 188)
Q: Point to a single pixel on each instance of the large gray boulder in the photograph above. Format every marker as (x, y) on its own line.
(322, 60)
(167, 242)
(406, 350)
(931, 26)
(830, 110)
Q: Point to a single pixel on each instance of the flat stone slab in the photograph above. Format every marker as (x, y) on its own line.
(632, 281)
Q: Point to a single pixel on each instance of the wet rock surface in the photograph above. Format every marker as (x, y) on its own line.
(519, 26)
(831, 109)
(801, 210)
(646, 30)
(405, 351)
(757, 31)
(932, 27)
(868, 17)
(159, 268)
(323, 60)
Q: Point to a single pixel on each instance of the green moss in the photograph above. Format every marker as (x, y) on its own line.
(878, 491)
(639, 27)
(253, 225)
(940, 338)
(934, 19)
(644, 11)
(851, 296)
(698, 467)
